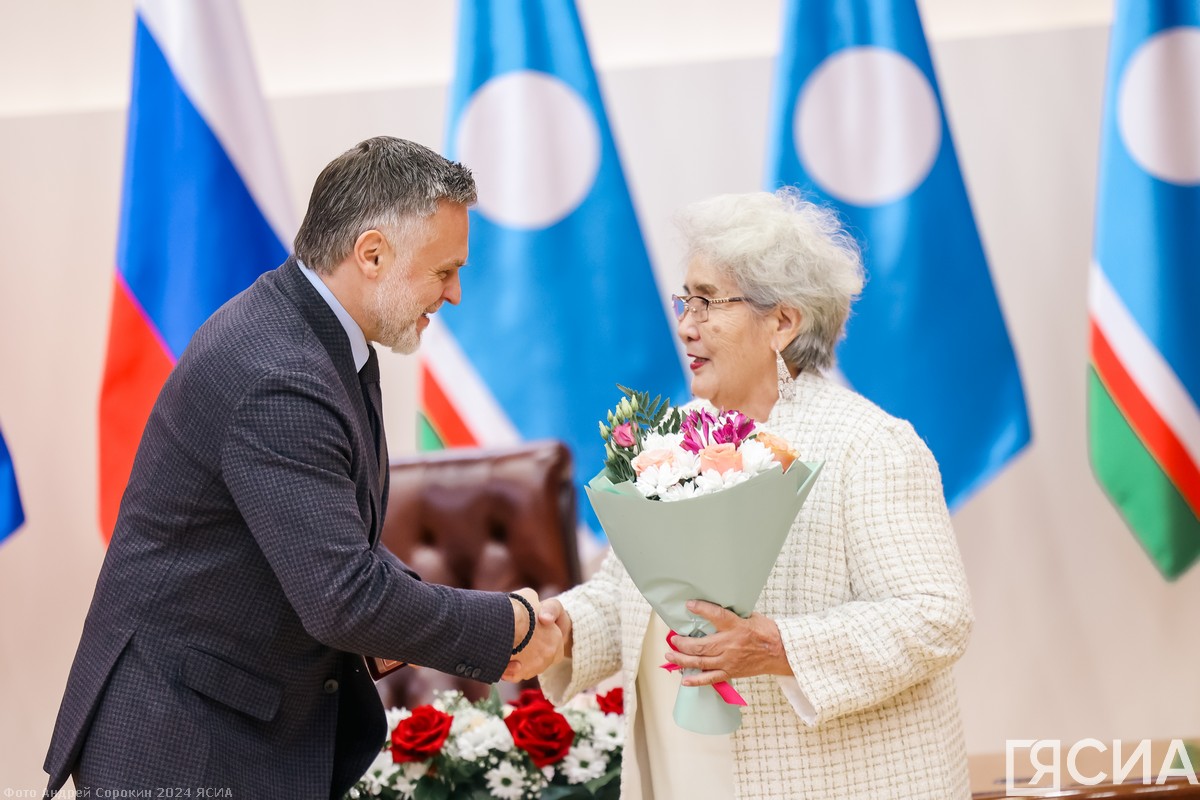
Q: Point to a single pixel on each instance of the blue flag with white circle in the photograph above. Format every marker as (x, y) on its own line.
(11, 512)
(857, 123)
(1144, 351)
(560, 302)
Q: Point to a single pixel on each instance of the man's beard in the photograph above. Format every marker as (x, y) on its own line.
(396, 314)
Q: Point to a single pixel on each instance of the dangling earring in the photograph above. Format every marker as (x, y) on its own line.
(787, 384)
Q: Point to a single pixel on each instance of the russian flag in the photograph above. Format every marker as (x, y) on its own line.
(12, 515)
(560, 301)
(1144, 371)
(204, 209)
(857, 121)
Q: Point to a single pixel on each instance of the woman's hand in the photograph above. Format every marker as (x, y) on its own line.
(740, 647)
(559, 616)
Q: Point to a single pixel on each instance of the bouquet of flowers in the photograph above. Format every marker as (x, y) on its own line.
(676, 486)
(529, 750)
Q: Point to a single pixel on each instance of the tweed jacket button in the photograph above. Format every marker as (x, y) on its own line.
(459, 669)
(475, 673)
(331, 686)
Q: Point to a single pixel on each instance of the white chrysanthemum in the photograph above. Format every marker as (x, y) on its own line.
(608, 732)
(711, 481)
(394, 715)
(505, 781)
(584, 763)
(654, 481)
(489, 733)
(466, 719)
(686, 464)
(661, 441)
(404, 779)
(380, 773)
(756, 458)
(680, 491)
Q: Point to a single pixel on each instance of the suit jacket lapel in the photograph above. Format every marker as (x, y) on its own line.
(332, 336)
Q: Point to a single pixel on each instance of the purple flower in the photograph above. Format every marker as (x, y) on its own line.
(623, 435)
(702, 427)
(696, 428)
(735, 427)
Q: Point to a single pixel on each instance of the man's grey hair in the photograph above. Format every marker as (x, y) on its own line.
(386, 184)
(780, 249)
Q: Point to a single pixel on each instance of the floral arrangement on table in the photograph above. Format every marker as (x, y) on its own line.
(677, 488)
(528, 750)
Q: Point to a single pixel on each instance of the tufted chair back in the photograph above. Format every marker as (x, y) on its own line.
(481, 519)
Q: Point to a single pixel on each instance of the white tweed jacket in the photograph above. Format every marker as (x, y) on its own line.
(872, 603)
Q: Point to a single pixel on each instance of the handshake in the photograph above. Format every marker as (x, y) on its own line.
(549, 642)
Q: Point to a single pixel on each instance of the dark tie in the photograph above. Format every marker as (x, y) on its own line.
(369, 376)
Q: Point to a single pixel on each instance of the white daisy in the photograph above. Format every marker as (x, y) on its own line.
(608, 732)
(505, 781)
(584, 763)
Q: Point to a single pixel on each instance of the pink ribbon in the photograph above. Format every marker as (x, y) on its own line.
(724, 688)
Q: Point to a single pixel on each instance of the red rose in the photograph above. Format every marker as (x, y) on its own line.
(613, 702)
(529, 696)
(542, 732)
(421, 736)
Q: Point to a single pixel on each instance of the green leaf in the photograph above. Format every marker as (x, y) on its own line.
(431, 789)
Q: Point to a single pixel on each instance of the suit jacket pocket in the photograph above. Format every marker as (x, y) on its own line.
(230, 685)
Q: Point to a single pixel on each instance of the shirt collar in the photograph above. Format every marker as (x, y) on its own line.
(358, 342)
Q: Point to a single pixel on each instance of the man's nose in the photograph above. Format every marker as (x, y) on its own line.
(453, 291)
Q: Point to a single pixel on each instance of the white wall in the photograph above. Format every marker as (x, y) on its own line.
(1076, 634)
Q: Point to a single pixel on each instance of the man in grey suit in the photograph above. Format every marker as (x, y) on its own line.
(223, 652)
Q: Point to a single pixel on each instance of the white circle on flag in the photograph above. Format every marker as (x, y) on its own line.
(867, 125)
(533, 145)
(1158, 105)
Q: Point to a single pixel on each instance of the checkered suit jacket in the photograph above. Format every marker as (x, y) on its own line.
(244, 578)
(872, 605)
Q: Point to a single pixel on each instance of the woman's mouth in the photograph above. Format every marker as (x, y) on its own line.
(697, 362)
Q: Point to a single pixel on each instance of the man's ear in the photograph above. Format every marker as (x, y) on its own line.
(787, 326)
(367, 248)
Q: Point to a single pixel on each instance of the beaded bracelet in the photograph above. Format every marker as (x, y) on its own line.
(532, 622)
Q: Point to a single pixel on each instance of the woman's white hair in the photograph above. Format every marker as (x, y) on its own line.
(780, 249)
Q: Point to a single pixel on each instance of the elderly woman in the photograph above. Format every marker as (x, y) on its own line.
(846, 661)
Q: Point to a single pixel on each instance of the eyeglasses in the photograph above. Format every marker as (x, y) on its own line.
(698, 305)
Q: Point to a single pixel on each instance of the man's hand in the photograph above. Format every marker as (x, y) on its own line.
(546, 646)
(739, 648)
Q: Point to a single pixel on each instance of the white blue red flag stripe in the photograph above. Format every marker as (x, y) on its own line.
(857, 122)
(204, 209)
(1144, 375)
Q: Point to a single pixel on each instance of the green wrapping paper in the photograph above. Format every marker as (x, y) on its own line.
(719, 547)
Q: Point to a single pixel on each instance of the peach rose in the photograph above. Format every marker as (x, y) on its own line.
(721, 457)
(652, 458)
(779, 448)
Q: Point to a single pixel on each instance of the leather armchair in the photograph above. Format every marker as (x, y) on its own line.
(494, 520)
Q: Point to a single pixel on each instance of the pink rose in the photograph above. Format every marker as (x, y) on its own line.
(652, 458)
(721, 457)
(623, 434)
